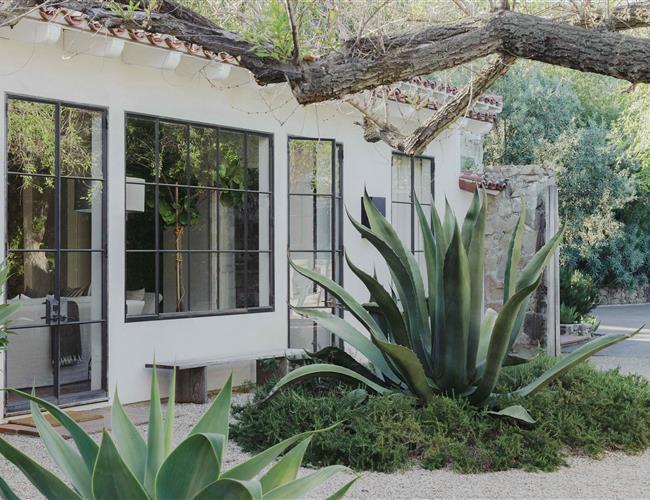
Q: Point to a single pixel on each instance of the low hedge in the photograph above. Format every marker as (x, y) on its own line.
(586, 411)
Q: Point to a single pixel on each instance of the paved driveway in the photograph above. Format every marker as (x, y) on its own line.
(632, 355)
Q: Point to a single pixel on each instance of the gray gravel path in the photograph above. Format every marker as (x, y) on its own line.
(616, 476)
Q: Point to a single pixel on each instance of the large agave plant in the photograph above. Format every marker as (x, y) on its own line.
(126, 466)
(440, 342)
(6, 310)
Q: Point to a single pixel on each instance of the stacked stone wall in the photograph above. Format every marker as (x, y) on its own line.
(638, 295)
(527, 184)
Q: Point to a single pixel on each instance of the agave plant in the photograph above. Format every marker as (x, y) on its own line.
(125, 465)
(440, 342)
(6, 310)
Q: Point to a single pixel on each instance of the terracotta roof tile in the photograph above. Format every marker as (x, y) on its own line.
(80, 21)
(469, 181)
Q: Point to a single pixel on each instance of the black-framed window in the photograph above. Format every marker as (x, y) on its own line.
(411, 175)
(199, 219)
(315, 233)
(56, 249)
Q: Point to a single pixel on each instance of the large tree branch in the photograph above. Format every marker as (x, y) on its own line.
(442, 47)
(457, 106)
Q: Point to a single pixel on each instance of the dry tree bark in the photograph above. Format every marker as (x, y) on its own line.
(586, 42)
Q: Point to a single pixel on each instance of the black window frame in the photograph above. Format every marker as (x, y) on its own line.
(86, 397)
(159, 315)
(411, 202)
(337, 249)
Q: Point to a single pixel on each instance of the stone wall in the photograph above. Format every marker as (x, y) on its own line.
(639, 295)
(535, 186)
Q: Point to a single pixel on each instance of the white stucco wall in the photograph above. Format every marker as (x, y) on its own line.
(46, 71)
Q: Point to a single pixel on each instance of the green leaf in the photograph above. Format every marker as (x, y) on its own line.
(486, 333)
(112, 479)
(340, 493)
(410, 367)
(449, 224)
(516, 412)
(571, 360)
(193, 465)
(128, 441)
(6, 492)
(344, 296)
(475, 257)
(514, 255)
(519, 322)
(85, 444)
(169, 420)
(457, 308)
(215, 420)
(322, 370)
(471, 219)
(231, 489)
(302, 486)
(68, 460)
(498, 347)
(286, 469)
(435, 265)
(386, 303)
(339, 357)
(46, 482)
(414, 314)
(420, 325)
(253, 466)
(515, 359)
(6, 311)
(536, 265)
(346, 332)
(155, 436)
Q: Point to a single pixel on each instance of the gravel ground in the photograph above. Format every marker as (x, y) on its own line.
(616, 476)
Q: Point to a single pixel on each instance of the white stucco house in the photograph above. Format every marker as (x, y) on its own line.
(153, 194)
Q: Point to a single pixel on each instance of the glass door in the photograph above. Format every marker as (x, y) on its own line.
(315, 233)
(56, 251)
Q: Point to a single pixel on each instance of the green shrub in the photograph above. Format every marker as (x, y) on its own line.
(584, 411)
(578, 293)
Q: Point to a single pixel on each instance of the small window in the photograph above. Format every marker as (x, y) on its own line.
(411, 175)
(198, 219)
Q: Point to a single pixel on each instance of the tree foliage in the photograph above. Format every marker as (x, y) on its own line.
(593, 133)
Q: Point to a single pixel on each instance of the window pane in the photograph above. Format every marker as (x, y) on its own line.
(140, 283)
(401, 221)
(203, 217)
(303, 292)
(258, 156)
(232, 281)
(81, 214)
(423, 181)
(203, 269)
(81, 286)
(174, 208)
(82, 371)
(401, 178)
(140, 149)
(259, 280)
(81, 142)
(419, 243)
(232, 221)
(174, 281)
(311, 222)
(30, 212)
(257, 218)
(311, 166)
(141, 218)
(231, 160)
(31, 280)
(203, 156)
(30, 139)
(173, 153)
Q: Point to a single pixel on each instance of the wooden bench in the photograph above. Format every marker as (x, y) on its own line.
(191, 374)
